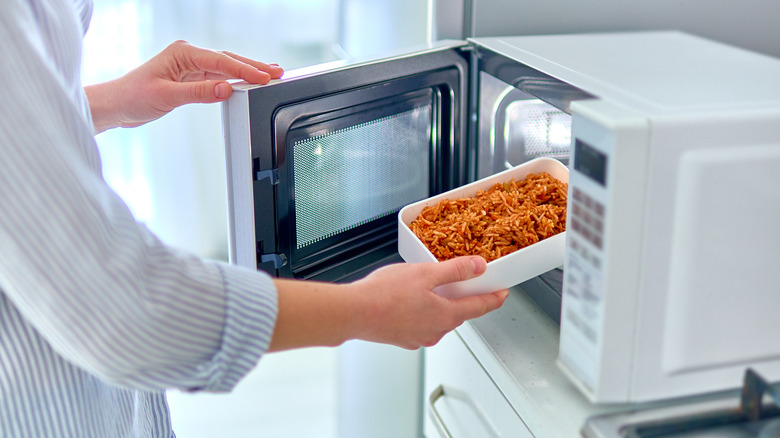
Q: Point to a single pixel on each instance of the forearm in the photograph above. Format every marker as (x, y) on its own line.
(316, 314)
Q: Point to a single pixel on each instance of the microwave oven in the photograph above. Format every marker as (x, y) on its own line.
(669, 285)
(320, 162)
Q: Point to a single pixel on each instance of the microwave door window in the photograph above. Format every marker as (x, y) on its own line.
(355, 175)
(349, 170)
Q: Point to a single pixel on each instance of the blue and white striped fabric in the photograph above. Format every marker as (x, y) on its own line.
(97, 315)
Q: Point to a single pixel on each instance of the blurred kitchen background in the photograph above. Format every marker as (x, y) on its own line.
(171, 173)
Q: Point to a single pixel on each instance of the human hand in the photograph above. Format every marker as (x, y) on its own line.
(406, 312)
(180, 74)
(393, 305)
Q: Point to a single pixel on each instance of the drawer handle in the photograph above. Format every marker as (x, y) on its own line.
(435, 395)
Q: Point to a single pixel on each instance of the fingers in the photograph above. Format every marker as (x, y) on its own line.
(209, 91)
(273, 70)
(227, 65)
(477, 305)
(196, 63)
(464, 268)
(458, 269)
(222, 90)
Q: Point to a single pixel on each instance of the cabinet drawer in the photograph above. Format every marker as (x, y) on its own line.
(462, 398)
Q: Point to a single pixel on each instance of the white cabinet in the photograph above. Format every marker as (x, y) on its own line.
(463, 399)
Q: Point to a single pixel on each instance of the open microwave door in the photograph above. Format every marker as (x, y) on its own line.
(320, 162)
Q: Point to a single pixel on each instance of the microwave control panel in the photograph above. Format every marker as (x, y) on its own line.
(583, 308)
(602, 248)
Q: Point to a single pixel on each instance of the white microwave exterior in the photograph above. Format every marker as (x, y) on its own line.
(667, 325)
(685, 298)
(708, 303)
(672, 313)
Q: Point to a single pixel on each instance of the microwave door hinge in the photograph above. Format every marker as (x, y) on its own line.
(279, 260)
(476, 51)
(271, 174)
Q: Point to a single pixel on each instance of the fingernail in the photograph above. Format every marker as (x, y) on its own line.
(479, 265)
(222, 90)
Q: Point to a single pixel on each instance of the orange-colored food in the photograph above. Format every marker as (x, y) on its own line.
(497, 222)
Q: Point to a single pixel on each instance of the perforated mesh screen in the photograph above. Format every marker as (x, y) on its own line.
(352, 176)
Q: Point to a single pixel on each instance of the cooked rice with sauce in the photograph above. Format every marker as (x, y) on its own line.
(497, 222)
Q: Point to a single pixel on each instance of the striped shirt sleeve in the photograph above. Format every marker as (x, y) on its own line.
(105, 292)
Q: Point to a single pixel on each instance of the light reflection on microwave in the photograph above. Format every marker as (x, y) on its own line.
(536, 129)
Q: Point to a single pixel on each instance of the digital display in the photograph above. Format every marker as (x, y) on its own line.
(590, 162)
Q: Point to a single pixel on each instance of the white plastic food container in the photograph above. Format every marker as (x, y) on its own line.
(503, 272)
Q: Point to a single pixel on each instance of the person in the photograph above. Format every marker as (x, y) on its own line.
(98, 316)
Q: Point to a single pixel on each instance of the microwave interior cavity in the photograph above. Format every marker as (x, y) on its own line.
(516, 126)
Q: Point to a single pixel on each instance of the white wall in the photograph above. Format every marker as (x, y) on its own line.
(381, 26)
